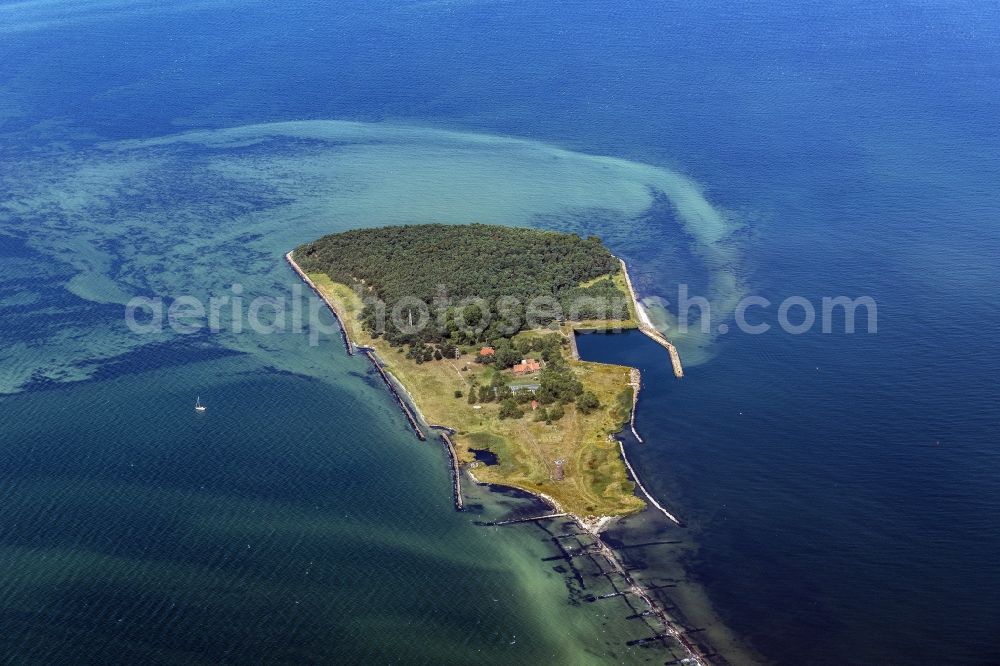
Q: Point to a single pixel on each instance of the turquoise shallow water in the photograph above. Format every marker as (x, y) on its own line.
(840, 491)
(297, 519)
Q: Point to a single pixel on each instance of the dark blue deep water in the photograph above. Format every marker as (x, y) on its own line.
(842, 491)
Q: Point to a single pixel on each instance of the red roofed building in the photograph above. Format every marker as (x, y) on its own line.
(487, 351)
(527, 366)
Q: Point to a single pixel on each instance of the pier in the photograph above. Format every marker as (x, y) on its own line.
(646, 326)
(348, 345)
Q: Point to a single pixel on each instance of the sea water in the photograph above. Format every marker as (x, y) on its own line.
(839, 490)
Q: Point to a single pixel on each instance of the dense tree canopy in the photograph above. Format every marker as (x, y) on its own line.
(442, 265)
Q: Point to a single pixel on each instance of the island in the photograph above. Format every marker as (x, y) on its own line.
(476, 325)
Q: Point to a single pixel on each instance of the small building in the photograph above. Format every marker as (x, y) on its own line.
(487, 351)
(514, 388)
(534, 405)
(527, 366)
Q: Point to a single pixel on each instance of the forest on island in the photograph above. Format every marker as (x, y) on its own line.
(504, 269)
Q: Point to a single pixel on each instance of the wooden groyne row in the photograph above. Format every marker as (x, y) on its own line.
(456, 472)
(646, 326)
(348, 345)
(399, 399)
(599, 548)
(517, 521)
(672, 628)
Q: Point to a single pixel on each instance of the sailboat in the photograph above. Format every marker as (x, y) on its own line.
(198, 407)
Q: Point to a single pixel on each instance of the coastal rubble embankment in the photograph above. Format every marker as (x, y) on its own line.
(412, 414)
(391, 385)
(635, 381)
(348, 345)
(456, 471)
(646, 326)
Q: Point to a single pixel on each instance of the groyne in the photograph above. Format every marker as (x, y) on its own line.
(518, 521)
(593, 527)
(671, 628)
(399, 399)
(646, 326)
(348, 344)
(456, 471)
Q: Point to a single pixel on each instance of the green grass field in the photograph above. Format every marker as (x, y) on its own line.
(595, 481)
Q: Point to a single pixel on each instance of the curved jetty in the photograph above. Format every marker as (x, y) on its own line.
(652, 500)
(646, 326)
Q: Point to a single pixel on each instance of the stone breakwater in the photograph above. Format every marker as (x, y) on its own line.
(412, 414)
(391, 385)
(635, 381)
(330, 304)
(646, 326)
(456, 470)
